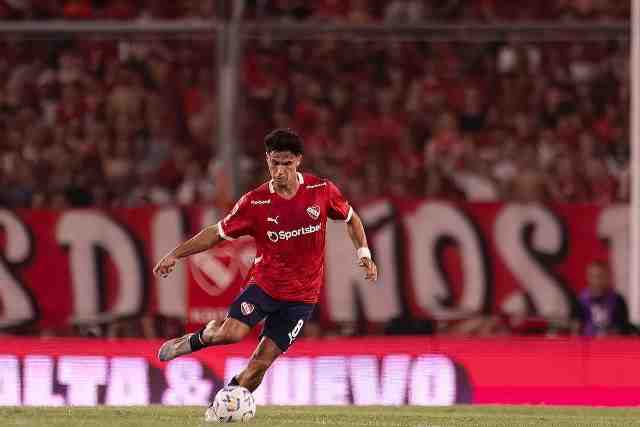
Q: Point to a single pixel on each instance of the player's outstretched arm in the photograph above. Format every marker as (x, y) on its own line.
(355, 228)
(202, 241)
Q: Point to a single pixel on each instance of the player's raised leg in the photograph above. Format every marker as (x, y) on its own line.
(228, 332)
(249, 308)
(262, 358)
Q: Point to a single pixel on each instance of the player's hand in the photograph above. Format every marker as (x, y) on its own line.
(371, 271)
(165, 266)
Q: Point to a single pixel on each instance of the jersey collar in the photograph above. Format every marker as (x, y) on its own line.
(273, 190)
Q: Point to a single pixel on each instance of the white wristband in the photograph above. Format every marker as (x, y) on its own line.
(363, 252)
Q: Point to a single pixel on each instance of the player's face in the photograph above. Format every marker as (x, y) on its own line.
(283, 166)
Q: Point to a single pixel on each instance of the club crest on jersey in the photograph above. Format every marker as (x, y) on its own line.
(247, 308)
(314, 211)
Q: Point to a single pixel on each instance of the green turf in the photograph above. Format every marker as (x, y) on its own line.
(328, 416)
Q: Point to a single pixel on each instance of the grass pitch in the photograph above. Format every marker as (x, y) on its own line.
(327, 416)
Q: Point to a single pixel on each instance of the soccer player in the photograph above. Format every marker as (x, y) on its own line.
(287, 217)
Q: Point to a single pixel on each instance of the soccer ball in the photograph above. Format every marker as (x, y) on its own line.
(231, 404)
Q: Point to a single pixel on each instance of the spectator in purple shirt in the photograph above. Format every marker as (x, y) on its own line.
(603, 311)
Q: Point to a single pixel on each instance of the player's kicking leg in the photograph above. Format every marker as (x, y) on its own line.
(214, 333)
(245, 312)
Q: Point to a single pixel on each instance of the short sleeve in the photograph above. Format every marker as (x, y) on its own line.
(238, 222)
(338, 207)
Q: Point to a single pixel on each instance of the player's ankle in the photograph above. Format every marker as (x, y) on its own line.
(196, 341)
(207, 334)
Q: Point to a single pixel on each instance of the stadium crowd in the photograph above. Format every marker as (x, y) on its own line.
(124, 123)
(345, 11)
(99, 121)
(478, 122)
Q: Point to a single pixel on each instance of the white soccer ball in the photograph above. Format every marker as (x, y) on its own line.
(231, 404)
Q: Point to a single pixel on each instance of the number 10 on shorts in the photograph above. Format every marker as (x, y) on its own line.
(296, 330)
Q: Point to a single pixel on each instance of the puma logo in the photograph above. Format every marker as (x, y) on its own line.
(273, 220)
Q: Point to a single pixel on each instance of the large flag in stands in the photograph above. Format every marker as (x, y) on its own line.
(435, 259)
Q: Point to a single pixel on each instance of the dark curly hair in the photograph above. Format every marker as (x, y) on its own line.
(283, 140)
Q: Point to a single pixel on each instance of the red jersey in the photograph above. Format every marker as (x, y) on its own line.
(289, 235)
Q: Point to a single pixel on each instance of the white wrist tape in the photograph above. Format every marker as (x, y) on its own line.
(363, 252)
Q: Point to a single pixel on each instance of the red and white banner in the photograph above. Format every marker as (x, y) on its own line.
(383, 371)
(434, 258)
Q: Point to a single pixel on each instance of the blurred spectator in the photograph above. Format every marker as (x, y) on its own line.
(446, 147)
(477, 181)
(529, 186)
(603, 311)
(405, 11)
(602, 187)
(567, 185)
